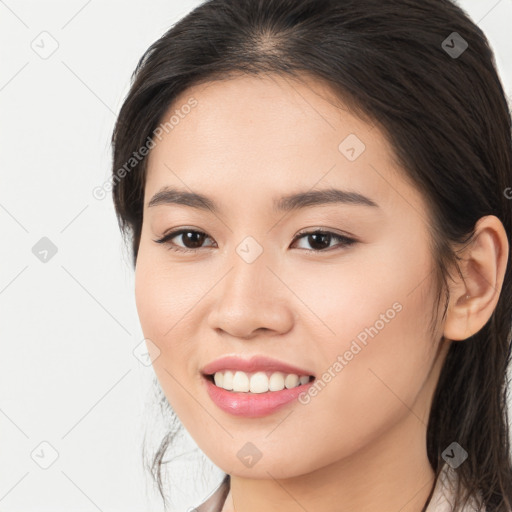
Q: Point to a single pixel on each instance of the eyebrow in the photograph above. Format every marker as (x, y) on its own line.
(287, 203)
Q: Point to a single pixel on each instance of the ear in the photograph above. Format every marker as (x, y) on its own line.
(483, 264)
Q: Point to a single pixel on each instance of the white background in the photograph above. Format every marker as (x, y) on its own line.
(68, 375)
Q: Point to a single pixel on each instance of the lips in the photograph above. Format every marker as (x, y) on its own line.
(254, 364)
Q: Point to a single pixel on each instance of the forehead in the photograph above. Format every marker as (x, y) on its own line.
(255, 113)
(269, 133)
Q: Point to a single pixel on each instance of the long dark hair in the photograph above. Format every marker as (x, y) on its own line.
(424, 73)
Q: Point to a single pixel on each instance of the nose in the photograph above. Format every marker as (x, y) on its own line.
(252, 298)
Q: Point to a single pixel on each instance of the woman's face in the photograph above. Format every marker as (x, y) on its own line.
(354, 315)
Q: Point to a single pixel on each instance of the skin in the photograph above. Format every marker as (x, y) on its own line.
(360, 443)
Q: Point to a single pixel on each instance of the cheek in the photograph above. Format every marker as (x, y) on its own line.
(165, 293)
(370, 386)
(373, 340)
(372, 286)
(164, 296)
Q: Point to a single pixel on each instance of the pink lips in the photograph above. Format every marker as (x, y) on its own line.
(256, 363)
(252, 405)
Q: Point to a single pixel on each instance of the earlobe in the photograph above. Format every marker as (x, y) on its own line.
(483, 263)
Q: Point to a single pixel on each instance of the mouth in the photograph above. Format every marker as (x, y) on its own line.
(258, 382)
(253, 395)
(259, 374)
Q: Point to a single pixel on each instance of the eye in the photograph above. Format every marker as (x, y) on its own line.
(194, 239)
(321, 240)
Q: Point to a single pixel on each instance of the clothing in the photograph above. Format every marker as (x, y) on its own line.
(441, 501)
(442, 497)
(216, 501)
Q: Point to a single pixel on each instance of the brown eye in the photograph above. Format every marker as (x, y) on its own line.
(191, 239)
(321, 240)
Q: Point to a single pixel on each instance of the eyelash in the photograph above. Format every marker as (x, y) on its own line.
(344, 240)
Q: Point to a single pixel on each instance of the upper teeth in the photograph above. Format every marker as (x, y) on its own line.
(259, 382)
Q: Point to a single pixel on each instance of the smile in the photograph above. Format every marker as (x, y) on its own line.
(257, 382)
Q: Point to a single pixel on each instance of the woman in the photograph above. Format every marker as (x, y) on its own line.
(317, 195)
